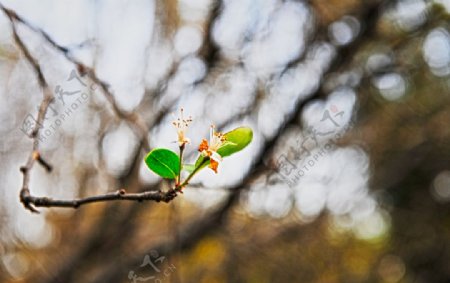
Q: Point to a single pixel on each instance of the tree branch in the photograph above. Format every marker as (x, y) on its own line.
(157, 196)
(30, 201)
(131, 117)
(47, 99)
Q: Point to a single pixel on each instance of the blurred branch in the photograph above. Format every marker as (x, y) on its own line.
(131, 117)
(47, 99)
(436, 18)
(210, 50)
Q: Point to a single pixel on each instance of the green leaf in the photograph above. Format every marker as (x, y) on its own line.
(201, 161)
(189, 167)
(163, 162)
(237, 140)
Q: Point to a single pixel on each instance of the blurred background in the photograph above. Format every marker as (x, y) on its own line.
(347, 178)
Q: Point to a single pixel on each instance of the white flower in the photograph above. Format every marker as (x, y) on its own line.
(216, 140)
(182, 124)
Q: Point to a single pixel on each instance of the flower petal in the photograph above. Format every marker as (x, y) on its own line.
(213, 165)
(203, 145)
(215, 156)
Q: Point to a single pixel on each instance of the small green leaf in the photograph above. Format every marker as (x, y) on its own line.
(201, 161)
(163, 162)
(189, 167)
(237, 140)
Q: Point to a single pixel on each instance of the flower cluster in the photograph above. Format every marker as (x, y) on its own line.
(170, 165)
(216, 140)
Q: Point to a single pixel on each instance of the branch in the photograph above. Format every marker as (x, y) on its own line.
(134, 119)
(47, 99)
(30, 201)
(157, 196)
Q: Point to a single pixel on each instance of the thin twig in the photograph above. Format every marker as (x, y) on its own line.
(37, 156)
(47, 99)
(157, 196)
(178, 180)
